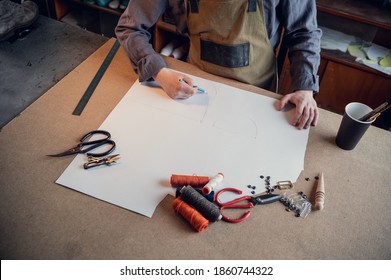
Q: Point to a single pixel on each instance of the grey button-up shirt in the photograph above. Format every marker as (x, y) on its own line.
(297, 17)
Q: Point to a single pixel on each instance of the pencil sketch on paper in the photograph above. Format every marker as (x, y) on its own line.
(194, 108)
(242, 125)
(199, 102)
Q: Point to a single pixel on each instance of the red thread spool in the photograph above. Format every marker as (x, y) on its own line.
(178, 181)
(197, 221)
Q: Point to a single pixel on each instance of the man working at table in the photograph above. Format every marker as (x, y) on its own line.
(234, 39)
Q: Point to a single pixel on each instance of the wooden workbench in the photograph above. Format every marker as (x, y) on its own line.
(42, 220)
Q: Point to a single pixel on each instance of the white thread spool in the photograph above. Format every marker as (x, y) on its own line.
(213, 183)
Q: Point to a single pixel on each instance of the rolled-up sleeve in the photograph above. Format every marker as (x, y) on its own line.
(302, 37)
(132, 32)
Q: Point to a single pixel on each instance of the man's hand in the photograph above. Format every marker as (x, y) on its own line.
(306, 112)
(176, 85)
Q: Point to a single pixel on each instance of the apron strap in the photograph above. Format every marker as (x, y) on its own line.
(252, 6)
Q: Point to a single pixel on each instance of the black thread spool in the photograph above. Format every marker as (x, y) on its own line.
(209, 210)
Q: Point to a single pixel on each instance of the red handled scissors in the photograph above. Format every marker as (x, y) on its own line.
(252, 201)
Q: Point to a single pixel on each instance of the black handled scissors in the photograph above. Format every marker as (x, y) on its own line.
(251, 202)
(85, 146)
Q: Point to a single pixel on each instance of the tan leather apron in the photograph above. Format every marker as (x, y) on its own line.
(229, 39)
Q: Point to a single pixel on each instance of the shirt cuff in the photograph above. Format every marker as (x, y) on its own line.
(306, 82)
(149, 66)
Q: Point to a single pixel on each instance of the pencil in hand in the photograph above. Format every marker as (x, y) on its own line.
(199, 90)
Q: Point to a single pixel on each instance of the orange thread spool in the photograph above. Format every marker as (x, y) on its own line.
(197, 221)
(178, 181)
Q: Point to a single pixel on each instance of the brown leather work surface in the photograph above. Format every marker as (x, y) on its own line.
(42, 220)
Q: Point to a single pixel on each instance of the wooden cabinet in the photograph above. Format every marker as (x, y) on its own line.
(62, 7)
(342, 79)
(92, 17)
(342, 84)
(165, 32)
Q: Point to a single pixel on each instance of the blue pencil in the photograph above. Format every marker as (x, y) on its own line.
(199, 90)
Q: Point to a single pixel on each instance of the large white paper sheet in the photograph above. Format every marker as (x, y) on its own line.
(227, 130)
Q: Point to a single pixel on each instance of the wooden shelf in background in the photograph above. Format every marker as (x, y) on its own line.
(108, 10)
(357, 10)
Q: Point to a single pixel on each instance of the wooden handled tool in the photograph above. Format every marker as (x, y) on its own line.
(320, 193)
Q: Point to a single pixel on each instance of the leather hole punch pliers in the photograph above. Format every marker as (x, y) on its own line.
(235, 204)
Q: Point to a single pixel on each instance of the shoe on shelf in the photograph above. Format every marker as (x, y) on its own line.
(169, 48)
(124, 4)
(114, 4)
(102, 3)
(16, 17)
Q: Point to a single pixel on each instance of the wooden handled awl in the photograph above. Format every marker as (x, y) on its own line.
(320, 193)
